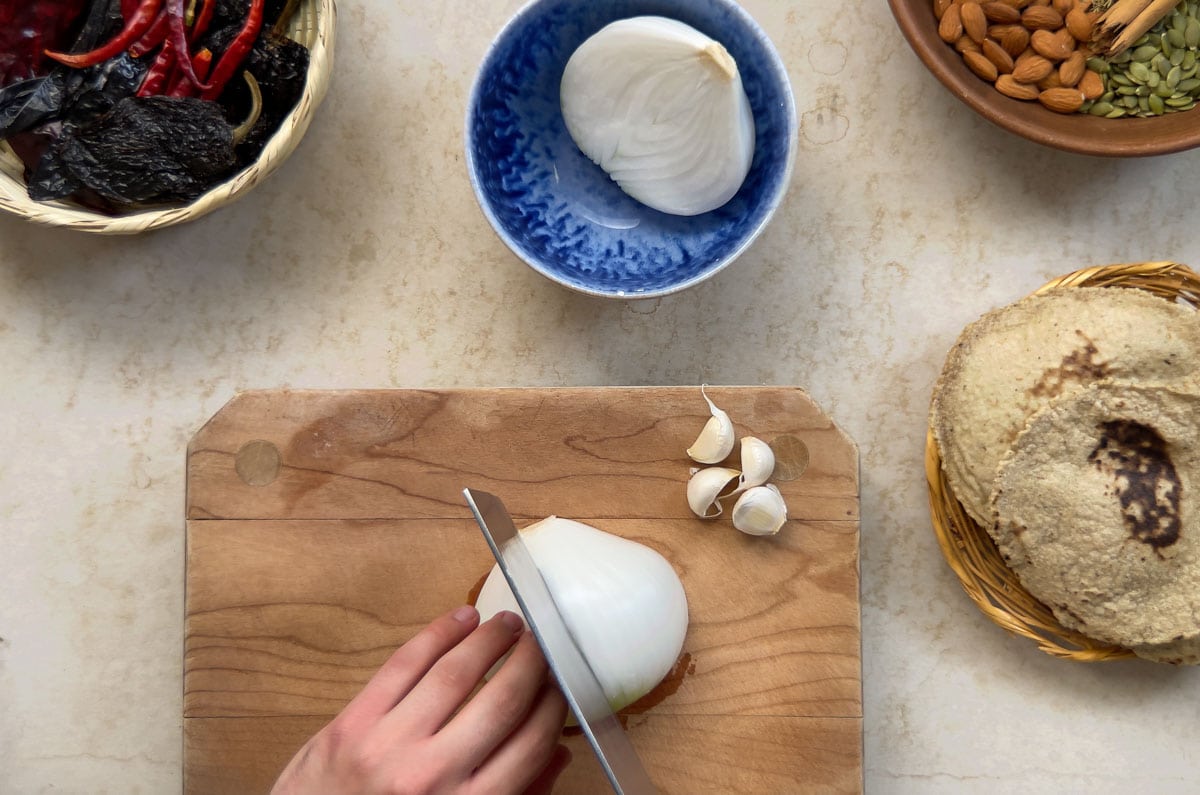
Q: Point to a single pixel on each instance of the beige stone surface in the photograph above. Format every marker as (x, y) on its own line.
(365, 262)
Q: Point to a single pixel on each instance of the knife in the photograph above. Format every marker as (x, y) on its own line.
(575, 678)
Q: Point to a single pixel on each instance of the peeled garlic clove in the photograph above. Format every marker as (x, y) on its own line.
(715, 441)
(758, 462)
(660, 106)
(706, 487)
(760, 511)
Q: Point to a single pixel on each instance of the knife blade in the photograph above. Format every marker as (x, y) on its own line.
(570, 668)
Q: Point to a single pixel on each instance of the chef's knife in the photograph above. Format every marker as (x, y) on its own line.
(575, 678)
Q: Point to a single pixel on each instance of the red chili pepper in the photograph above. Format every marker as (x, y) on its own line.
(160, 71)
(237, 51)
(182, 87)
(128, 8)
(135, 27)
(155, 36)
(203, 20)
(178, 37)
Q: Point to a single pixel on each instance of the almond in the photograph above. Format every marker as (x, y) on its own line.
(1050, 81)
(1050, 46)
(964, 44)
(1011, 88)
(973, 21)
(1091, 84)
(950, 27)
(1041, 18)
(1061, 100)
(1063, 7)
(1030, 68)
(997, 55)
(1079, 24)
(940, 6)
(1001, 13)
(981, 66)
(1071, 70)
(1015, 40)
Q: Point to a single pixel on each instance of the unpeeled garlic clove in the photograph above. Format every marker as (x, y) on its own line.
(706, 487)
(760, 511)
(758, 462)
(715, 441)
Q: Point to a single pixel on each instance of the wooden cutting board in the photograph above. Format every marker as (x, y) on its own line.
(325, 528)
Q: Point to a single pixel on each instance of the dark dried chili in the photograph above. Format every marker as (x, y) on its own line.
(232, 58)
(135, 27)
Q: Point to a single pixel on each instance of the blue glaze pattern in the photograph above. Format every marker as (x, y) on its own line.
(560, 212)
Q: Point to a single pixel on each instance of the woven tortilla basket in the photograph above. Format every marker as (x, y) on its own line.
(312, 25)
(968, 548)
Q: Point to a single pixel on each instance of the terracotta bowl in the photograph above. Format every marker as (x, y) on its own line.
(1075, 132)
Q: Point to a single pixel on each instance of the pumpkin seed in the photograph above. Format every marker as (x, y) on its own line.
(1162, 64)
(1156, 104)
(1155, 79)
(1178, 23)
(1191, 33)
(1098, 65)
(1144, 104)
(1175, 36)
(1189, 85)
(1139, 72)
(1146, 52)
(1116, 113)
(1100, 108)
(1177, 57)
(1126, 91)
(1129, 102)
(1183, 103)
(1189, 60)
(1120, 79)
(1174, 76)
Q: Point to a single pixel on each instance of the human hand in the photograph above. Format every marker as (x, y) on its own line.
(406, 734)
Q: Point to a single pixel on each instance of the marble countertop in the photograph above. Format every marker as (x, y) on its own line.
(907, 217)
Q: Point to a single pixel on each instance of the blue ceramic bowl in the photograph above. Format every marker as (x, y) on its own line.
(559, 211)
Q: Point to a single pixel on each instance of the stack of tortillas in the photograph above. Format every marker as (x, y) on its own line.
(1069, 427)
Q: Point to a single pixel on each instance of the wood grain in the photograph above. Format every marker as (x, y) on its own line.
(291, 607)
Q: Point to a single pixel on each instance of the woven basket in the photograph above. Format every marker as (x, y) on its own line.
(313, 26)
(969, 549)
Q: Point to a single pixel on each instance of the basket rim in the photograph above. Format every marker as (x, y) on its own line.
(14, 194)
(969, 549)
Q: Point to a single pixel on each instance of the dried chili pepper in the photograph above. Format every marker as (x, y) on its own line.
(178, 37)
(183, 87)
(135, 27)
(203, 20)
(152, 38)
(160, 72)
(27, 28)
(128, 8)
(237, 51)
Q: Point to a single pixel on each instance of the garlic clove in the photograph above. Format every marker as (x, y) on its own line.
(661, 108)
(715, 441)
(758, 462)
(706, 487)
(760, 511)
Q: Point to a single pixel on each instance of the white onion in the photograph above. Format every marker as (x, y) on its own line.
(622, 603)
(661, 108)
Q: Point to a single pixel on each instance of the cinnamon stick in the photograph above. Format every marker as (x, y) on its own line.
(1126, 21)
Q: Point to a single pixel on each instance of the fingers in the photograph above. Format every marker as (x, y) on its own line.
(527, 757)
(409, 663)
(431, 702)
(501, 706)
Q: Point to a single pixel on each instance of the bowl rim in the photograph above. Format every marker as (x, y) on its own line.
(14, 194)
(962, 85)
(777, 68)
